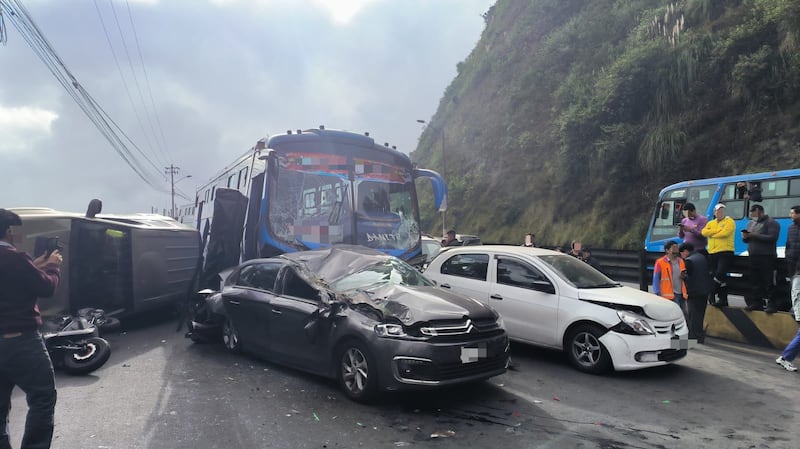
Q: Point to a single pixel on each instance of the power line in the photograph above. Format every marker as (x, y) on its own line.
(31, 33)
(122, 78)
(147, 81)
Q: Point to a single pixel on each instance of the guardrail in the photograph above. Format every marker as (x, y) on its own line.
(637, 267)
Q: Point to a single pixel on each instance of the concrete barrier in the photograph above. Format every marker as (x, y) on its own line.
(771, 330)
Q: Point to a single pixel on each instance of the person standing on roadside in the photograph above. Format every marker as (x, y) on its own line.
(761, 236)
(450, 239)
(691, 227)
(719, 233)
(793, 242)
(669, 276)
(793, 348)
(530, 240)
(24, 361)
(576, 249)
(698, 287)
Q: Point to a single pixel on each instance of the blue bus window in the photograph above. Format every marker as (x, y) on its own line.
(775, 188)
(794, 187)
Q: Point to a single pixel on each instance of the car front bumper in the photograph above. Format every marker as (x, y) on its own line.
(406, 364)
(631, 352)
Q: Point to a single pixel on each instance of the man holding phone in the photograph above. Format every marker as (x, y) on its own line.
(24, 361)
(761, 236)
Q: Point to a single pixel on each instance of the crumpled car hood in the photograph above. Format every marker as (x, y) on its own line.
(413, 304)
(654, 306)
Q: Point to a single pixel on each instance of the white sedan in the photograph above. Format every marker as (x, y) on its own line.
(554, 300)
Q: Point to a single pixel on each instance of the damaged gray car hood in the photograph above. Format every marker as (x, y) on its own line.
(407, 304)
(413, 304)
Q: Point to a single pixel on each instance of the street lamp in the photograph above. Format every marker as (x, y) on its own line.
(444, 169)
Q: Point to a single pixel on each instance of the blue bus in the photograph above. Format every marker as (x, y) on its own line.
(313, 188)
(776, 191)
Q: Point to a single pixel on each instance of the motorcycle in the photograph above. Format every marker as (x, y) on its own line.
(98, 318)
(74, 344)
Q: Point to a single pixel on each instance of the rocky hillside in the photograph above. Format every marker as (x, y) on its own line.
(569, 116)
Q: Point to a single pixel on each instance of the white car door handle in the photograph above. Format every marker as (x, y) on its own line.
(276, 311)
(444, 285)
(496, 296)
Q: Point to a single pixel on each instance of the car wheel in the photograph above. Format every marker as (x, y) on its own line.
(586, 352)
(357, 373)
(230, 338)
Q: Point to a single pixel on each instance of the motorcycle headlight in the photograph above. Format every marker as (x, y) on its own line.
(389, 330)
(633, 324)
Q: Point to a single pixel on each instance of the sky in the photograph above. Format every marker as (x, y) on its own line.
(195, 83)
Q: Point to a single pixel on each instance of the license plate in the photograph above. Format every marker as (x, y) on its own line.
(470, 355)
(676, 342)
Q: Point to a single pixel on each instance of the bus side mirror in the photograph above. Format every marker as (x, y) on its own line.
(664, 212)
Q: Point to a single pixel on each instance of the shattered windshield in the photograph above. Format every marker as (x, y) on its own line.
(390, 271)
(577, 272)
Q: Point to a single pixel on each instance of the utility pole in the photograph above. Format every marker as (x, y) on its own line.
(172, 171)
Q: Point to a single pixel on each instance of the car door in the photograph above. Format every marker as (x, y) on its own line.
(465, 273)
(296, 329)
(526, 299)
(247, 303)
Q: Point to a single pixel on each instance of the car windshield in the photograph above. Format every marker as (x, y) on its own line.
(577, 272)
(390, 271)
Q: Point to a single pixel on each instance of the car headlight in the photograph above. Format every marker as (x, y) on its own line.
(389, 330)
(633, 324)
(499, 320)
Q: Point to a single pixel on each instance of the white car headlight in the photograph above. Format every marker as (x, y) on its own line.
(632, 323)
(389, 330)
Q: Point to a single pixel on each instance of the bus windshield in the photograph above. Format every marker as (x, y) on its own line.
(670, 210)
(342, 193)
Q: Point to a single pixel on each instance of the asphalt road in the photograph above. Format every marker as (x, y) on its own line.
(161, 391)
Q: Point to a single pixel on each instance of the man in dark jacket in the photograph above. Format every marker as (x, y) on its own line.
(24, 361)
(698, 286)
(793, 242)
(761, 236)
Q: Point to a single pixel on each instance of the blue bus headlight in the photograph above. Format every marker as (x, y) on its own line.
(633, 324)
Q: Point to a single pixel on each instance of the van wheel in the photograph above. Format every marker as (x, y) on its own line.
(230, 338)
(357, 372)
(585, 351)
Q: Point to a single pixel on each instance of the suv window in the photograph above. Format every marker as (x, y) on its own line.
(518, 274)
(261, 276)
(473, 266)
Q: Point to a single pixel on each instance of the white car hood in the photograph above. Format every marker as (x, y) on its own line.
(654, 306)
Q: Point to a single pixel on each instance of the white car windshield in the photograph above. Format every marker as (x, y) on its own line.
(577, 272)
(391, 271)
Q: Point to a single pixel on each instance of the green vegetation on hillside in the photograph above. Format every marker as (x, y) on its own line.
(569, 116)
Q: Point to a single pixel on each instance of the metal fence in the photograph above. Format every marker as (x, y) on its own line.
(637, 267)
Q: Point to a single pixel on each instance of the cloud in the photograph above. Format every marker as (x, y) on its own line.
(21, 127)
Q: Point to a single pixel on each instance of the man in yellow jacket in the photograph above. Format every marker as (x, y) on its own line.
(719, 233)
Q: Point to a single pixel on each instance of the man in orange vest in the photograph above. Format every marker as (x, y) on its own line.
(669, 276)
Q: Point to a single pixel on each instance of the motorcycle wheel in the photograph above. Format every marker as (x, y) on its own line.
(94, 354)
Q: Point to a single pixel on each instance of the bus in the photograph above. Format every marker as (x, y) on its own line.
(313, 188)
(776, 191)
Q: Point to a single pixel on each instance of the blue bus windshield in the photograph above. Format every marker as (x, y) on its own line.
(322, 194)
